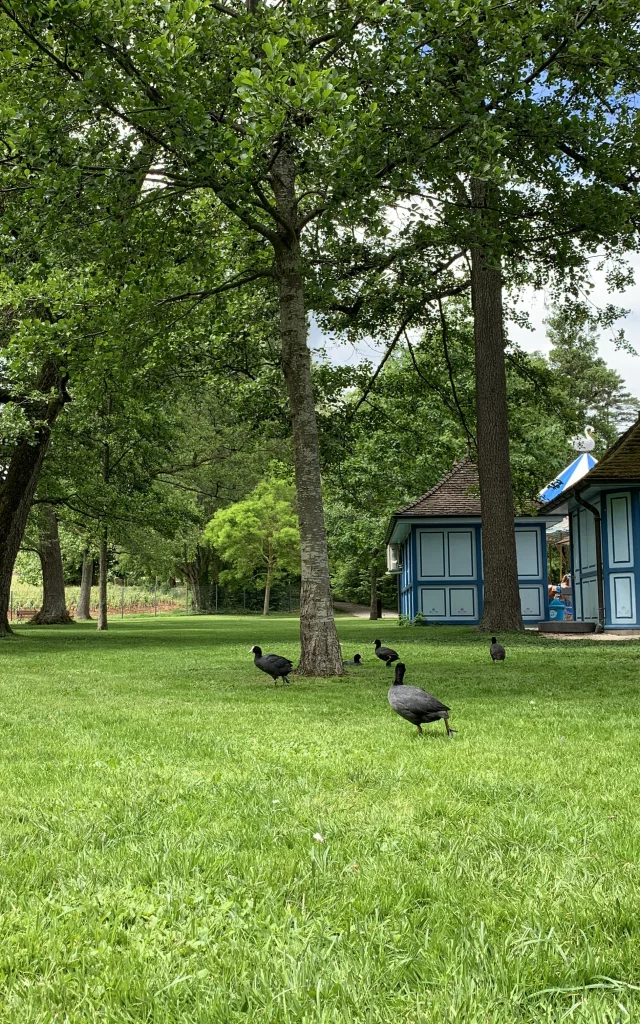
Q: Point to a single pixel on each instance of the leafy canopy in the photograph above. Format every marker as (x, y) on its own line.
(260, 534)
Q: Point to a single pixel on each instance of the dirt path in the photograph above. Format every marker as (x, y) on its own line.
(360, 611)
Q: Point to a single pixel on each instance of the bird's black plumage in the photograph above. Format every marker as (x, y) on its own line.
(386, 654)
(415, 704)
(496, 650)
(273, 664)
(357, 661)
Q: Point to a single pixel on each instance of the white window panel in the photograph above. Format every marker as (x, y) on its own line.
(462, 602)
(590, 600)
(575, 542)
(432, 544)
(587, 540)
(461, 553)
(528, 554)
(433, 602)
(531, 603)
(623, 603)
(620, 533)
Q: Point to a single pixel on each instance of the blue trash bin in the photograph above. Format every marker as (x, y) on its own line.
(557, 609)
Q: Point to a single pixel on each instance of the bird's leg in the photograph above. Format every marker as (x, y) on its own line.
(450, 731)
(420, 733)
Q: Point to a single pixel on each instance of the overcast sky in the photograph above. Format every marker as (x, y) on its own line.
(535, 303)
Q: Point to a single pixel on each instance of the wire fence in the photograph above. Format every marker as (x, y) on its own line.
(122, 600)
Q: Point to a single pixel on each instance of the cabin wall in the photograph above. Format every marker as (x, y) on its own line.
(407, 576)
(442, 572)
(620, 514)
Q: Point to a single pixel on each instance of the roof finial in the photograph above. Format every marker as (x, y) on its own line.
(468, 448)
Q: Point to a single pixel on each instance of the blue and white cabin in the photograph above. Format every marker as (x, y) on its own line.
(603, 508)
(435, 546)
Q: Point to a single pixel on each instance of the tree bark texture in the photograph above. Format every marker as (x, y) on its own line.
(373, 605)
(320, 653)
(501, 607)
(103, 621)
(201, 573)
(54, 605)
(84, 601)
(22, 475)
(103, 615)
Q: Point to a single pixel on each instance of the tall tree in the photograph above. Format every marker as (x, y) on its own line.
(599, 392)
(501, 593)
(83, 612)
(273, 110)
(259, 534)
(536, 207)
(48, 283)
(375, 460)
(54, 606)
(25, 449)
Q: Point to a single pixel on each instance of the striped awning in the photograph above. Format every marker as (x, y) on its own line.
(569, 476)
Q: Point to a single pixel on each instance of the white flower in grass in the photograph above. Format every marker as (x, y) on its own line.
(319, 838)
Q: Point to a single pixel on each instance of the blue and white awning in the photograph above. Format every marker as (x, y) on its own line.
(569, 476)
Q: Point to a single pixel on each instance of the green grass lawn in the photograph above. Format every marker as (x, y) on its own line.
(160, 798)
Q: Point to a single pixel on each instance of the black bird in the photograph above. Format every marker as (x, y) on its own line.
(357, 661)
(386, 654)
(496, 650)
(273, 664)
(415, 704)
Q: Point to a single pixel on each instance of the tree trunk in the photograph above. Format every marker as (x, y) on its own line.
(198, 572)
(102, 583)
(19, 485)
(501, 607)
(373, 607)
(320, 653)
(267, 594)
(84, 601)
(54, 606)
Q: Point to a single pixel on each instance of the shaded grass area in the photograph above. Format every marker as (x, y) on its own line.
(160, 800)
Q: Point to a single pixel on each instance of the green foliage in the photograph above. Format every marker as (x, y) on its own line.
(597, 392)
(413, 426)
(259, 536)
(126, 230)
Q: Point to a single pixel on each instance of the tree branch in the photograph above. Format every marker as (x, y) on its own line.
(445, 345)
(224, 10)
(209, 292)
(396, 338)
(559, 49)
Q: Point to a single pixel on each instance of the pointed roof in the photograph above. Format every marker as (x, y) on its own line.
(457, 494)
(620, 464)
(621, 461)
(569, 476)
